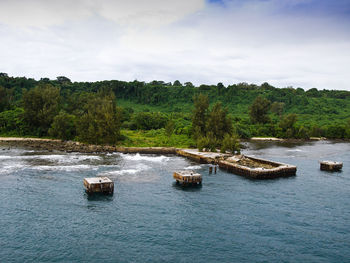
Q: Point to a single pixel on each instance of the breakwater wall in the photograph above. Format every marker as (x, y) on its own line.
(247, 166)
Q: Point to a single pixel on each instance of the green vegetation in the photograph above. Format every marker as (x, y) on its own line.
(164, 114)
(259, 110)
(212, 128)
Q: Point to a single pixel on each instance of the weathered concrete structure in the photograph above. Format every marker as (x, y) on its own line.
(248, 166)
(102, 185)
(331, 166)
(257, 168)
(202, 157)
(187, 178)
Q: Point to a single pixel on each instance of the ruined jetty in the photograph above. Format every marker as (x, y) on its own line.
(102, 185)
(244, 165)
(202, 157)
(187, 178)
(331, 166)
(257, 168)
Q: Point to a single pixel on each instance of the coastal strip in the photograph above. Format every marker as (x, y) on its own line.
(239, 164)
(71, 146)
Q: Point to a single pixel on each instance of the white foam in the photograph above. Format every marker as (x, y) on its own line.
(121, 172)
(68, 168)
(111, 154)
(68, 158)
(5, 157)
(139, 174)
(138, 157)
(10, 168)
(134, 170)
(193, 167)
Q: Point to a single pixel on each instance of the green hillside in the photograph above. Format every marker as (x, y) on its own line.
(64, 109)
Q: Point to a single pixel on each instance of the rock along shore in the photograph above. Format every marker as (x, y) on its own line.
(71, 146)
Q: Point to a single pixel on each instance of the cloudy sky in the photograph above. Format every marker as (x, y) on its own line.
(300, 43)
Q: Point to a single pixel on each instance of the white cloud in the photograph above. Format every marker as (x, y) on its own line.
(42, 13)
(169, 40)
(150, 12)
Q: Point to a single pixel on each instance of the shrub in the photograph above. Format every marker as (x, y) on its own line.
(230, 143)
(63, 126)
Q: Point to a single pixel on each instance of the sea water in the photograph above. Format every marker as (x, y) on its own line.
(45, 215)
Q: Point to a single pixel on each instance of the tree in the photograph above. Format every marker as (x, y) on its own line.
(347, 134)
(3, 75)
(287, 124)
(63, 126)
(219, 122)
(200, 113)
(212, 141)
(277, 108)
(149, 120)
(41, 105)
(230, 143)
(100, 124)
(259, 110)
(202, 143)
(220, 85)
(177, 83)
(169, 128)
(221, 88)
(316, 131)
(3, 99)
(63, 79)
(335, 131)
(11, 122)
(303, 133)
(45, 80)
(189, 84)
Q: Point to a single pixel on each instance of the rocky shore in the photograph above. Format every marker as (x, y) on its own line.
(71, 146)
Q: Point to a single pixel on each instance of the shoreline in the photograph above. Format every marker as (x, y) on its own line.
(227, 161)
(72, 146)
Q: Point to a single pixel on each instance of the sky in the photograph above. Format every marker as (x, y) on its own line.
(299, 43)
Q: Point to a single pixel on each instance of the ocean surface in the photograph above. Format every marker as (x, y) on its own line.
(45, 215)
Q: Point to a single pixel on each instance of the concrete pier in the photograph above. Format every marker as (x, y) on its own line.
(257, 168)
(102, 185)
(187, 178)
(248, 166)
(331, 166)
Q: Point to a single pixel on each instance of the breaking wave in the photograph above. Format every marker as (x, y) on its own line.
(67, 168)
(138, 157)
(8, 168)
(193, 167)
(134, 170)
(67, 158)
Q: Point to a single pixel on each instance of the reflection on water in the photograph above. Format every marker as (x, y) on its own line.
(98, 197)
(188, 188)
(46, 215)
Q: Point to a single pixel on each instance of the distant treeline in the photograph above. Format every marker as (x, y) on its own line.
(97, 112)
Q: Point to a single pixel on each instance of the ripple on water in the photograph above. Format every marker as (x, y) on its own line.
(46, 216)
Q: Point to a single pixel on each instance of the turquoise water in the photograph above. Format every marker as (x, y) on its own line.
(46, 216)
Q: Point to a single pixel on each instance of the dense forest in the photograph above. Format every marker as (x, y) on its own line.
(168, 114)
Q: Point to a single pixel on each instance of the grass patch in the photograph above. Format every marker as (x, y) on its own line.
(155, 138)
